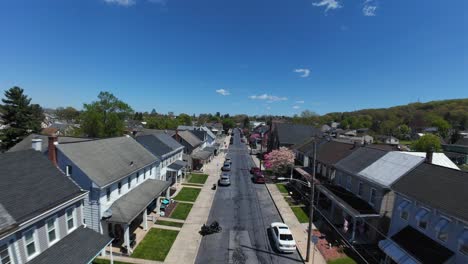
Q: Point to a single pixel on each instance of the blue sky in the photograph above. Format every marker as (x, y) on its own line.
(266, 57)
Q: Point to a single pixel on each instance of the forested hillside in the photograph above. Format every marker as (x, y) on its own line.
(444, 115)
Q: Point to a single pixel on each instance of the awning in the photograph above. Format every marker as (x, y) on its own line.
(201, 155)
(177, 165)
(79, 247)
(349, 202)
(129, 206)
(396, 253)
(210, 149)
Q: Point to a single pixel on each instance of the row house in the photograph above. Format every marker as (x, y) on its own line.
(429, 223)
(168, 151)
(288, 134)
(41, 214)
(197, 153)
(123, 180)
(206, 136)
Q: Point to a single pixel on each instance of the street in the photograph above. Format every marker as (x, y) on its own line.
(244, 210)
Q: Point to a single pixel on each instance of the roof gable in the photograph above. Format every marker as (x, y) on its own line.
(360, 159)
(295, 133)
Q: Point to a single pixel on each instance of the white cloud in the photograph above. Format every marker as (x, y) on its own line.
(329, 4)
(268, 98)
(369, 8)
(121, 2)
(296, 107)
(305, 72)
(223, 92)
(300, 102)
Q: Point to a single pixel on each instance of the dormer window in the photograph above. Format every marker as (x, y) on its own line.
(137, 176)
(422, 218)
(108, 192)
(119, 187)
(68, 170)
(403, 209)
(442, 229)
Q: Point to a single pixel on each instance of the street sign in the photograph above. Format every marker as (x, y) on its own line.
(315, 239)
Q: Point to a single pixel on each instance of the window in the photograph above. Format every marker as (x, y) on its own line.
(348, 183)
(70, 216)
(119, 187)
(4, 255)
(151, 170)
(463, 243)
(108, 192)
(403, 208)
(137, 176)
(372, 196)
(144, 173)
(359, 191)
(68, 170)
(30, 243)
(129, 182)
(442, 229)
(422, 218)
(51, 226)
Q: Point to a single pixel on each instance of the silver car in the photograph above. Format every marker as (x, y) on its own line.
(225, 180)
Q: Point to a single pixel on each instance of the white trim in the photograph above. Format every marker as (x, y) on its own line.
(8, 250)
(35, 241)
(56, 230)
(447, 226)
(69, 230)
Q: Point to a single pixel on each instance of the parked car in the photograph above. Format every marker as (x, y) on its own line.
(228, 160)
(226, 167)
(283, 238)
(259, 178)
(254, 170)
(225, 180)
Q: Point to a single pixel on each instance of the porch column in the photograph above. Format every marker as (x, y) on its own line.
(168, 193)
(111, 255)
(126, 229)
(354, 229)
(158, 208)
(145, 219)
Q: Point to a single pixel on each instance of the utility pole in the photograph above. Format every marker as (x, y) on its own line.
(311, 205)
(261, 152)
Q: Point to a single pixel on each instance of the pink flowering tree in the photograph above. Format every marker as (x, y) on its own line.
(279, 160)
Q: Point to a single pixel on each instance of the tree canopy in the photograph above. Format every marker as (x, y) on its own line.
(279, 160)
(427, 143)
(19, 116)
(68, 114)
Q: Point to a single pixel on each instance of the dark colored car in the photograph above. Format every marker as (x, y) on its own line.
(226, 167)
(259, 178)
(254, 170)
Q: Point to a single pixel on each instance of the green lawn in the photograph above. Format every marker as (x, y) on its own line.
(301, 214)
(169, 223)
(181, 211)
(345, 260)
(105, 261)
(406, 142)
(156, 244)
(198, 178)
(282, 188)
(187, 194)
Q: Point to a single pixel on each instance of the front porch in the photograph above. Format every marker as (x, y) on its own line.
(133, 214)
(354, 218)
(176, 172)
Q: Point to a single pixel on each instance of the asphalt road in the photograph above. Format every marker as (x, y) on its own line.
(244, 210)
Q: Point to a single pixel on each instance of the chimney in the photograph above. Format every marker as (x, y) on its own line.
(52, 149)
(37, 144)
(429, 155)
(177, 135)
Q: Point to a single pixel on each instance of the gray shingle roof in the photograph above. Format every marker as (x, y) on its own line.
(202, 155)
(30, 184)
(79, 247)
(129, 206)
(200, 134)
(360, 159)
(6, 220)
(154, 145)
(108, 160)
(177, 165)
(438, 187)
(295, 133)
(26, 143)
(190, 138)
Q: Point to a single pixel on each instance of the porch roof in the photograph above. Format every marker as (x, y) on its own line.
(177, 165)
(202, 155)
(420, 247)
(79, 247)
(347, 200)
(129, 206)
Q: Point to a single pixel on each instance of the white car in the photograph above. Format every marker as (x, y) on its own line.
(284, 240)
(224, 180)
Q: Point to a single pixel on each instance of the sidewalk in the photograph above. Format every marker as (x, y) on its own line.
(185, 248)
(298, 230)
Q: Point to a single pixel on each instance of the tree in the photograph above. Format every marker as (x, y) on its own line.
(246, 122)
(20, 117)
(279, 160)
(427, 143)
(184, 119)
(105, 117)
(442, 126)
(228, 123)
(403, 132)
(308, 114)
(68, 114)
(153, 112)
